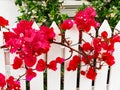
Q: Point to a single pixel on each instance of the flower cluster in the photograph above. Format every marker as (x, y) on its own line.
(29, 43)
(85, 19)
(11, 82)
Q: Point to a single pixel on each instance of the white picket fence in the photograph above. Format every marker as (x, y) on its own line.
(69, 79)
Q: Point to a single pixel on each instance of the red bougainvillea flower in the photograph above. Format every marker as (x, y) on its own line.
(85, 19)
(76, 58)
(53, 65)
(3, 22)
(13, 84)
(67, 24)
(59, 60)
(48, 33)
(13, 42)
(108, 58)
(91, 74)
(104, 34)
(29, 60)
(82, 72)
(2, 80)
(30, 74)
(41, 65)
(17, 63)
(97, 44)
(73, 64)
(115, 38)
(87, 60)
(23, 27)
(10, 80)
(87, 46)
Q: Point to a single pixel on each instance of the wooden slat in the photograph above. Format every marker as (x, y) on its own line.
(7, 63)
(18, 72)
(114, 72)
(2, 58)
(10, 11)
(53, 77)
(83, 80)
(39, 79)
(101, 79)
(70, 77)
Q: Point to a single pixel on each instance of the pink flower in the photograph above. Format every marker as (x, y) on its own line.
(85, 19)
(30, 74)
(2, 80)
(29, 35)
(67, 24)
(47, 33)
(42, 46)
(90, 11)
(41, 65)
(3, 22)
(13, 42)
(17, 63)
(22, 27)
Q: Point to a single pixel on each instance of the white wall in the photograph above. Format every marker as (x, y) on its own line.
(9, 10)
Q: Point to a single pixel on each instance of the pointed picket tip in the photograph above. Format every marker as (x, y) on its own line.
(117, 27)
(105, 27)
(57, 31)
(93, 31)
(56, 28)
(35, 26)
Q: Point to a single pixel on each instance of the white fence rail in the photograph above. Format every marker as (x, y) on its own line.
(68, 80)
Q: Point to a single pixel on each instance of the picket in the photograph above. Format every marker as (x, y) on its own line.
(38, 82)
(114, 71)
(2, 58)
(39, 79)
(70, 77)
(101, 80)
(17, 73)
(83, 80)
(53, 77)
